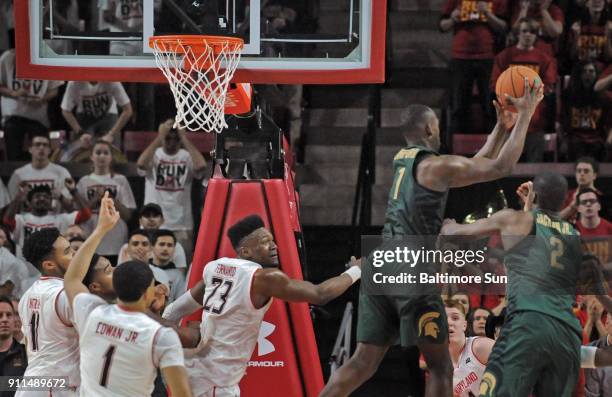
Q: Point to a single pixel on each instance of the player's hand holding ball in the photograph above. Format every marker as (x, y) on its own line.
(519, 89)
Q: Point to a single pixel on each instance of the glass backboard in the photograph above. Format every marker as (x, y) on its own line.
(308, 41)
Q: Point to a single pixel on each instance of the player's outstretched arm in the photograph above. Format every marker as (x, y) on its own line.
(73, 279)
(275, 283)
(186, 304)
(482, 227)
(441, 172)
(177, 381)
(496, 139)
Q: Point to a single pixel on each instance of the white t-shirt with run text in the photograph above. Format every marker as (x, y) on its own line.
(36, 89)
(168, 183)
(28, 223)
(121, 350)
(120, 189)
(52, 175)
(94, 100)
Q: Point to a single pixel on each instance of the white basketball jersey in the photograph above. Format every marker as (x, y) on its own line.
(117, 353)
(52, 345)
(468, 372)
(230, 322)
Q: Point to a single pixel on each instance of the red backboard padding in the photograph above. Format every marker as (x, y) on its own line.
(289, 363)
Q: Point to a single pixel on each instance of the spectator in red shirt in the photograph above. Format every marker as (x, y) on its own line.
(585, 119)
(588, 38)
(550, 17)
(474, 24)
(603, 85)
(590, 223)
(586, 174)
(524, 53)
(594, 230)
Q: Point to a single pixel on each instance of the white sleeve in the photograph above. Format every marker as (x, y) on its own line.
(83, 305)
(179, 258)
(125, 194)
(167, 349)
(4, 195)
(63, 309)
(62, 187)
(118, 92)
(13, 185)
(66, 220)
(18, 232)
(68, 101)
(4, 75)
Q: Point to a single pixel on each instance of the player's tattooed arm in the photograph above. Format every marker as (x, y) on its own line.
(73, 279)
(274, 283)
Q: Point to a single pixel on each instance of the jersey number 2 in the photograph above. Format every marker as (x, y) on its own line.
(556, 252)
(216, 303)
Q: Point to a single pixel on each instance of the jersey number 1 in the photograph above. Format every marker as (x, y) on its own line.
(216, 303)
(34, 330)
(108, 360)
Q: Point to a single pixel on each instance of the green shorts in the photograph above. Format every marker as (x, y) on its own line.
(534, 353)
(386, 320)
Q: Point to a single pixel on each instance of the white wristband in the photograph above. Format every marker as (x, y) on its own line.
(354, 272)
(587, 356)
(184, 305)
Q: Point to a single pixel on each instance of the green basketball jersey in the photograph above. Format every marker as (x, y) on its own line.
(412, 209)
(543, 269)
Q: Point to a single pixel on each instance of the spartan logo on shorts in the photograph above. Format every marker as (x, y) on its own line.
(487, 385)
(428, 325)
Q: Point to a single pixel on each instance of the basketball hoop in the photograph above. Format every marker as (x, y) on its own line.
(199, 70)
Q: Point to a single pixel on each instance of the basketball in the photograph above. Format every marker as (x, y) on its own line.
(512, 82)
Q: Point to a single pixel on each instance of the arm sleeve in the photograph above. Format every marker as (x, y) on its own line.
(126, 196)
(62, 187)
(167, 350)
(4, 196)
(83, 305)
(179, 259)
(118, 92)
(68, 101)
(62, 308)
(13, 185)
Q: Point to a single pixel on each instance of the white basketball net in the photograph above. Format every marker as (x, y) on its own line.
(199, 81)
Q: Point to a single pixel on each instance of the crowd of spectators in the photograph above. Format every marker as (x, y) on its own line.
(568, 42)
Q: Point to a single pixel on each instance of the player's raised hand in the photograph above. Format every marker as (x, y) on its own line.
(108, 216)
(354, 262)
(505, 117)
(164, 128)
(531, 98)
(526, 195)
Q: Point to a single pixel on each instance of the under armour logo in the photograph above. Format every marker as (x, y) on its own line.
(468, 360)
(264, 346)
